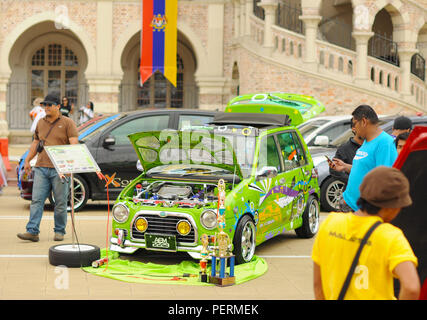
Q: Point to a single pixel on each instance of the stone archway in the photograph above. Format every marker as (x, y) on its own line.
(133, 97)
(29, 63)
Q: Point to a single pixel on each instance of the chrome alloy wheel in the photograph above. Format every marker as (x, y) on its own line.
(248, 241)
(313, 216)
(334, 194)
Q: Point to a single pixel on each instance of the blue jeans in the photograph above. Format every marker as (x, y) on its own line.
(45, 180)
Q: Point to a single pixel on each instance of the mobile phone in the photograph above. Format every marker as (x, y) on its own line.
(329, 161)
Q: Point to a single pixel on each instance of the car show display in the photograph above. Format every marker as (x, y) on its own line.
(269, 179)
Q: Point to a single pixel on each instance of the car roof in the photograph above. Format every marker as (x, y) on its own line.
(170, 110)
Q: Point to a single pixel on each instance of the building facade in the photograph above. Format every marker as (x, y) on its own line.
(342, 52)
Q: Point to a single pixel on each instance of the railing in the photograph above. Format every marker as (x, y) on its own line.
(132, 97)
(383, 48)
(418, 66)
(337, 32)
(288, 17)
(18, 103)
(258, 11)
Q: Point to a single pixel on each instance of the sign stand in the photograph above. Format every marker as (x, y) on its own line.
(68, 160)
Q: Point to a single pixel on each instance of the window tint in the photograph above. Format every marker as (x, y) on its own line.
(269, 155)
(186, 120)
(334, 131)
(292, 151)
(149, 123)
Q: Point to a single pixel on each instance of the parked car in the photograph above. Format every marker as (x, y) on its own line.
(107, 140)
(412, 220)
(416, 121)
(327, 126)
(270, 181)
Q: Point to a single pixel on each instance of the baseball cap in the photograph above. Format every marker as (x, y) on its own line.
(386, 187)
(50, 99)
(402, 123)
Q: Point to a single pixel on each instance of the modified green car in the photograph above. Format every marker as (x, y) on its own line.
(254, 146)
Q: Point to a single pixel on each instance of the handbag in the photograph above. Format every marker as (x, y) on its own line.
(356, 260)
(40, 144)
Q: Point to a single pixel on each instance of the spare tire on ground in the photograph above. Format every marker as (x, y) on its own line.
(73, 255)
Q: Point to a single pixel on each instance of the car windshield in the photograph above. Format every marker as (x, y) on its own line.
(97, 127)
(215, 151)
(307, 128)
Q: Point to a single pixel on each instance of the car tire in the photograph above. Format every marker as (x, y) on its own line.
(310, 219)
(330, 194)
(73, 255)
(244, 241)
(81, 195)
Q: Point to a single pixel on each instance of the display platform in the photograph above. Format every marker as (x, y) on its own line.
(185, 272)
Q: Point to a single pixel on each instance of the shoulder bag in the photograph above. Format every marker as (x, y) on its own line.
(40, 145)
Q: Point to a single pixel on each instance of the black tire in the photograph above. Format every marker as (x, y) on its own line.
(244, 241)
(310, 219)
(81, 195)
(330, 194)
(70, 256)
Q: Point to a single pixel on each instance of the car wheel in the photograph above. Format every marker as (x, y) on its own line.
(81, 194)
(73, 256)
(310, 219)
(331, 193)
(244, 240)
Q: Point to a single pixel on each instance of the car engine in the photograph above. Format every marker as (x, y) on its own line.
(171, 194)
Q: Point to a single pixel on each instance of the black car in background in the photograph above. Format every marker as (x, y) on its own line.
(112, 150)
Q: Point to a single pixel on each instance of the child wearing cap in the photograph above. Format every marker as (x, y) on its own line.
(387, 254)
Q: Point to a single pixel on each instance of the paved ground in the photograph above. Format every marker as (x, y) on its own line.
(25, 272)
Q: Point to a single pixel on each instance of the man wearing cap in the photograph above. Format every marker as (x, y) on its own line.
(54, 129)
(401, 124)
(387, 253)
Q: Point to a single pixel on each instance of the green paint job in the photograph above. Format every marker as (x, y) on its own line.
(299, 108)
(276, 204)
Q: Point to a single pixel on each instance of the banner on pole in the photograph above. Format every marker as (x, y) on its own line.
(159, 39)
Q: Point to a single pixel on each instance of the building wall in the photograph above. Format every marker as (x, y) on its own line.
(217, 35)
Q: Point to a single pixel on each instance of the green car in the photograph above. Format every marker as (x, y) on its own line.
(254, 146)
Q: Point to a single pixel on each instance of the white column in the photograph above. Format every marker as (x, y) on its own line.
(405, 56)
(249, 12)
(270, 7)
(242, 17)
(311, 26)
(236, 8)
(362, 38)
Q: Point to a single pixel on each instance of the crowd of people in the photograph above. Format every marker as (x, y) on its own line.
(357, 252)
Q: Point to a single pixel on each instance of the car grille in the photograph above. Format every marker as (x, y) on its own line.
(164, 226)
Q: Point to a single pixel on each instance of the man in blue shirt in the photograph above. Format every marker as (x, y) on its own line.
(378, 149)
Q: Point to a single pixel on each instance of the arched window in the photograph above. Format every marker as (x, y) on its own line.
(158, 92)
(54, 70)
(373, 74)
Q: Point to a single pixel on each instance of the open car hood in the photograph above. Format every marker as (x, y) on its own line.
(169, 147)
(299, 108)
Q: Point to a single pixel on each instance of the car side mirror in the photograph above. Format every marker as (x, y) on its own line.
(139, 166)
(321, 141)
(109, 141)
(266, 172)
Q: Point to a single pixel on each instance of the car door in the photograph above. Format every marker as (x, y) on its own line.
(295, 178)
(117, 160)
(270, 213)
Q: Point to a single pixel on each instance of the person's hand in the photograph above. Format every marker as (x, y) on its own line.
(339, 165)
(27, 167)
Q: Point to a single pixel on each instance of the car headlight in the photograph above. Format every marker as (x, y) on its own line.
(120, 212)
(208, 219)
